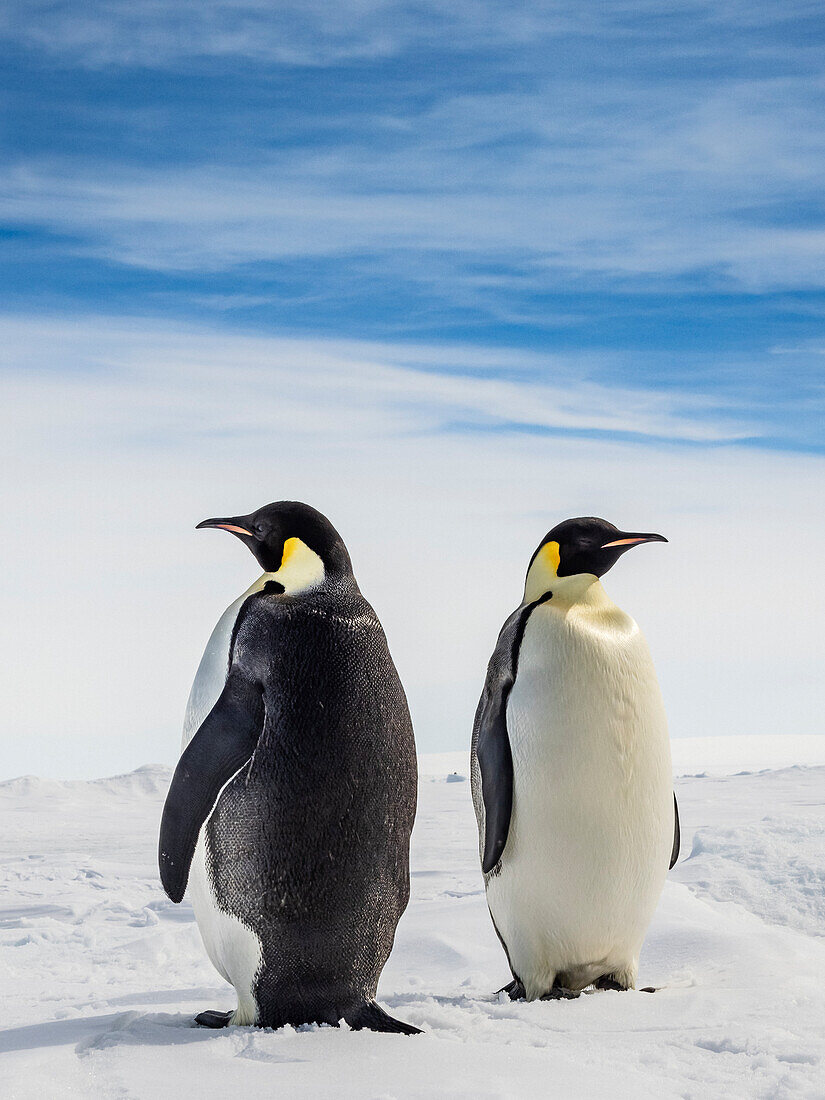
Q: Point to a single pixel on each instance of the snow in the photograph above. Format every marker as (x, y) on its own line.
(101, 974)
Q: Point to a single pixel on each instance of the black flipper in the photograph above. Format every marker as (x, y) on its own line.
(492, 744)
(677, 836)
(212, 1018)
(373, 1017)
(224, 743)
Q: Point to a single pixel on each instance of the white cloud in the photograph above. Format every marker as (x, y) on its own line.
(316, 32)
(303, 384)
(602, 183)
(214, 219)
(120, 435)
(693, 161)
(299, 32)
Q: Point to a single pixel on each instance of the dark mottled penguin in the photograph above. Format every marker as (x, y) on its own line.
(290, 810)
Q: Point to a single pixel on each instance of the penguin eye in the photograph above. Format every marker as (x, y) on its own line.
(260, 531)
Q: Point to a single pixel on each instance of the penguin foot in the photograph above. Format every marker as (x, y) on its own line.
(559, 993)
(514, 990)
(213, 1019)
(373, 1017)
(607, 981)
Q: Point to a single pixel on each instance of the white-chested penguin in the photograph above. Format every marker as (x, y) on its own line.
(571, 774)
(291, 807)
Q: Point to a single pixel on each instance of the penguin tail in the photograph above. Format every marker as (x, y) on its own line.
(373, 1017)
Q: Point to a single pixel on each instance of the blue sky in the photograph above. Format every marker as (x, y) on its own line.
(631, 190)
(449, 272)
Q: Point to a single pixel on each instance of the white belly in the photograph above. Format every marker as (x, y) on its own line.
(592, 823)
(233, 949)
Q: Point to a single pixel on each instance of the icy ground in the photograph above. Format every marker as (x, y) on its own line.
(100, 975)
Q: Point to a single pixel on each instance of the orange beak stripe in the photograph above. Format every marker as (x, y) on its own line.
(623, 542)
(232, 527)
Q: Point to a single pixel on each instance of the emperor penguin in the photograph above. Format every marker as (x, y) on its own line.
(290, 811)
(571, 774)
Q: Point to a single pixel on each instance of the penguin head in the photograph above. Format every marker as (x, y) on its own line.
(576, 552)
(293, 542)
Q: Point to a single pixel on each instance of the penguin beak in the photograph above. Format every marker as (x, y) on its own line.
(235, 524)
(629, 538)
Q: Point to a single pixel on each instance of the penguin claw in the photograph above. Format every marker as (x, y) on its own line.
(373, 1017)
(607, 981)
(514, 990)
(213, 1019)
(559, 993)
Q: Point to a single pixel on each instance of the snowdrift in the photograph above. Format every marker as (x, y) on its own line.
(101, 974)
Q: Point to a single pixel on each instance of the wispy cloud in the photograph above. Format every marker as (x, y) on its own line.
(314, 32)
(111, 372)
(299, 32)
(118, 436)
(448, 271)
(639, 181)
(697, 183)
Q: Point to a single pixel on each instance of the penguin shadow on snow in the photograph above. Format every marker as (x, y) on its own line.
(88, 1034)
(180, 1029)
(96, 1032)
(136, 1028)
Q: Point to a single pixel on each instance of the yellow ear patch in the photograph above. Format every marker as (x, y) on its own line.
(543, 572)
(300, 568)
(290, 547)
(551, 557)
